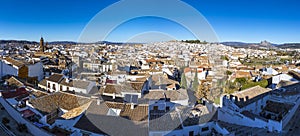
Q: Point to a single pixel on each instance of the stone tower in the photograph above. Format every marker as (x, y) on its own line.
(42, 48)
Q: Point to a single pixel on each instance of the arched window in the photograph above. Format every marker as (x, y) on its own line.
(53, 87)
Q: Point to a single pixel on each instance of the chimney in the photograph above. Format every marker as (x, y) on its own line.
(67, 80)
(114, 95)
(27, 102)
(132, 106)
(98, 102)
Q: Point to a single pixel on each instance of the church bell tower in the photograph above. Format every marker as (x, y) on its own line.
(42, 48)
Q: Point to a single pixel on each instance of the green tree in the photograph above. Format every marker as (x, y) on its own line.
(183, 82)
(223, 57)
(228, 72)
(263, 83)
(241, 80)
(195, 82)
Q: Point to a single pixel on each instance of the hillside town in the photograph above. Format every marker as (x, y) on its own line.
(174, 88)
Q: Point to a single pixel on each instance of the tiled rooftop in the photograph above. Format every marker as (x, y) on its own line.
(139, 113)
(14, 93)
(38, 93)
(134, 87)
(55, 77)
(14, 62)
(250, 95)
(43, 82)
(160, 79)
(161, 120)
(127, 123)
(174, 95)
(49, 103)
(75, 83)
(14, 81)
(278, 108)
(201, 115)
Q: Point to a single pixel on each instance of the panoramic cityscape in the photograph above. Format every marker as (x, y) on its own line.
(137, 68)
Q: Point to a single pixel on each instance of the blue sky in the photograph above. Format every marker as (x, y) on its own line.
(233, 20)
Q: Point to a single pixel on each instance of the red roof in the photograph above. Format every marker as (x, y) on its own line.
(27, 113)
(14, 93)
(187, 70)
(151, 60)
(111, 81)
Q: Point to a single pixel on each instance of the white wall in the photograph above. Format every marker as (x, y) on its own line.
(124, 93)
(161, 104)
(8, 69)
(64, 88)
(36, 70)
(184, 102)
(196, 128)
(41, 86)
(67, 124)
(239, 119)
(51, 85)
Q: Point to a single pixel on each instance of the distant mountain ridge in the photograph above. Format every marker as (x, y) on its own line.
(263, 44)
(33, 42)
(17, 42)
(60, 42)
(289, 45)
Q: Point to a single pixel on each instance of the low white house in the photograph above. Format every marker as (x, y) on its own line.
(58, 82)
(53, 82)
(78, 86)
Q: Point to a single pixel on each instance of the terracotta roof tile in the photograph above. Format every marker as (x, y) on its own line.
(55, 78)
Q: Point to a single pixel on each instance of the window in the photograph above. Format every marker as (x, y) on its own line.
(67, 88)
(53, 87)
(155, 108)
(48, 85)
(60, 88)
(167, 108)
(191, 133)
(205, 129)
